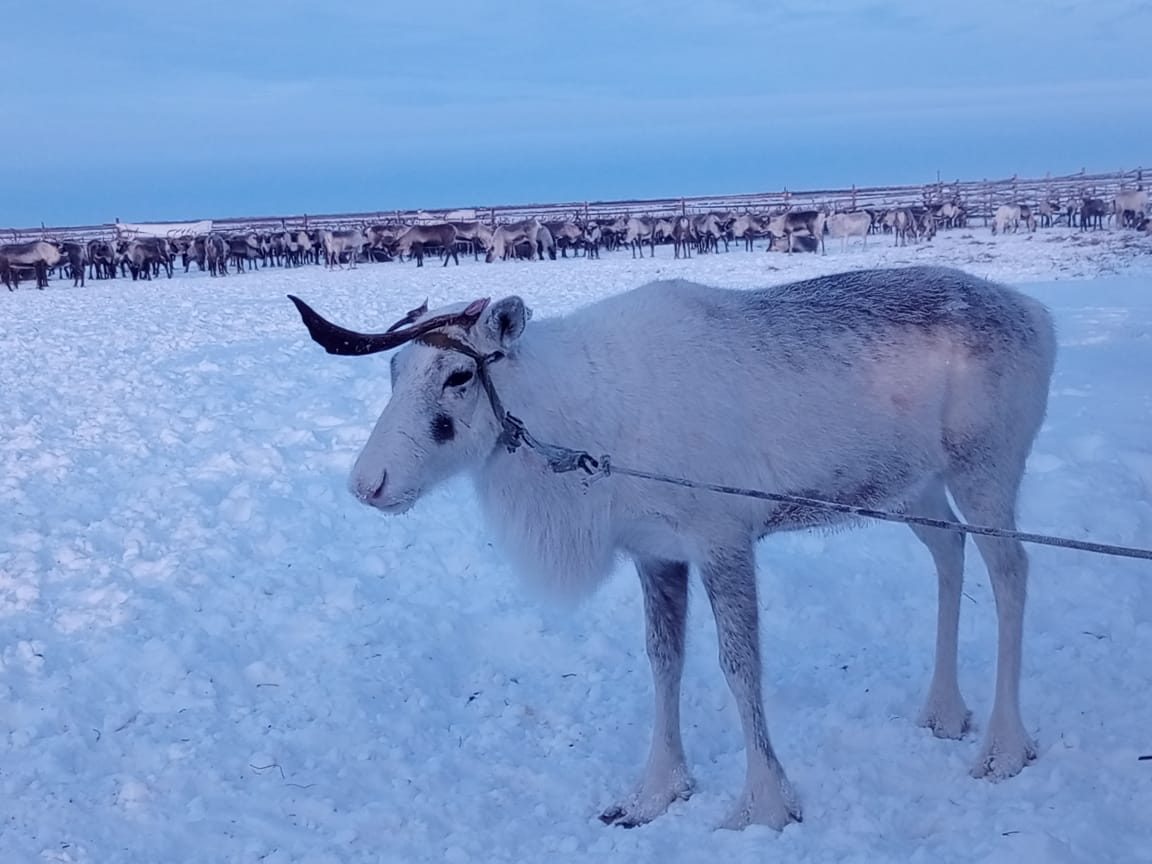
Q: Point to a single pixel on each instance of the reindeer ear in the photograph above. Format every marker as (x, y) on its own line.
(505, 320)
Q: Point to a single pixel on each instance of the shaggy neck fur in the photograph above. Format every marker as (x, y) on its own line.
(556, 532)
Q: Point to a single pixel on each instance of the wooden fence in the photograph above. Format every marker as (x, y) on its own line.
(980, 197)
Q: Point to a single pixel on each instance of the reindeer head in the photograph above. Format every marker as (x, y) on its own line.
(438, 421)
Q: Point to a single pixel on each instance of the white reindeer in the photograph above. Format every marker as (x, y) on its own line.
(1010, 216)
(1134, 202)
(507, 237)
(879, 388)
(339, 241)
(844, 225)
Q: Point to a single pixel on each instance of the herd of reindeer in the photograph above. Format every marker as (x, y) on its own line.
(534, 239)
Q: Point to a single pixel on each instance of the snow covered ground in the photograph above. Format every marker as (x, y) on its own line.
(209, 652)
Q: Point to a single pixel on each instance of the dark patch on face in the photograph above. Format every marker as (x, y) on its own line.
(443, 429)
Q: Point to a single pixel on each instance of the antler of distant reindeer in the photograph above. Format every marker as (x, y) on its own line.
(338, 340)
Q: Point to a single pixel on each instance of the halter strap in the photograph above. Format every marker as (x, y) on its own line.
(511, 429)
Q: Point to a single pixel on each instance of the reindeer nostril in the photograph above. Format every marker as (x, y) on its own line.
(367, 488)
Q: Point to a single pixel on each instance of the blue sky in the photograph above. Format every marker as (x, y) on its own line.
(150, 110)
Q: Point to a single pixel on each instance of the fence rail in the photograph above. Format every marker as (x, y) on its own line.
(980, 198)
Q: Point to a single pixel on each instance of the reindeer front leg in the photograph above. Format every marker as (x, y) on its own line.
(666, 778)
(730, 580)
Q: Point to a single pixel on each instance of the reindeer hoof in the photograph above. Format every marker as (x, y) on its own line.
(774, 807)
(648, 803)
(1004, 755)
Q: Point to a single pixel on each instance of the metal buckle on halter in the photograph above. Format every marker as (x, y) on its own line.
(514, 434)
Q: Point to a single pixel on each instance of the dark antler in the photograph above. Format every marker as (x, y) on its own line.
(339, 340)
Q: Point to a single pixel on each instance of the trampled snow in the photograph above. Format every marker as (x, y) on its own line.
(210, 652)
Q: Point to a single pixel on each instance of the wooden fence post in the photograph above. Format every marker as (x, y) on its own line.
(1060, 187)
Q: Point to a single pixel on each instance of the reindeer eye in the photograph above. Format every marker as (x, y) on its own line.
(459, 379)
